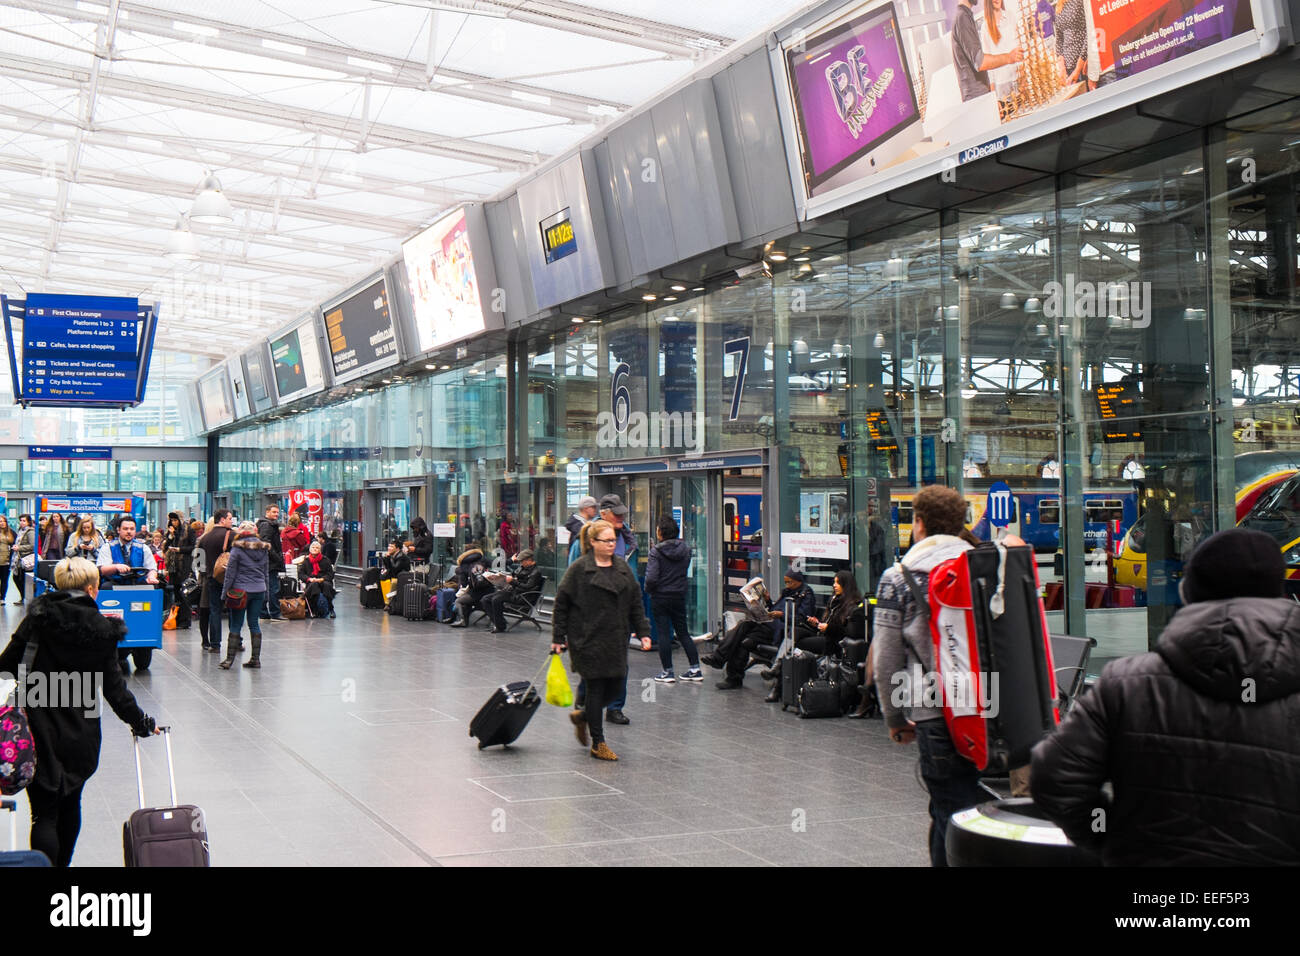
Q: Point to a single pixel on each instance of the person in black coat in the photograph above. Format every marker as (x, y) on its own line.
(598, 605)
(178, 551)
(1198, 738)
(422, 539)
(393, 563)
(318, 573)
(524, 583)
(74, 641)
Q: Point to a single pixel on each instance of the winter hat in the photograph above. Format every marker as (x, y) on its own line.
(1234, 563)
(795, 576)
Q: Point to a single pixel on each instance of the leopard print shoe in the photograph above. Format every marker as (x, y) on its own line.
(602, 752)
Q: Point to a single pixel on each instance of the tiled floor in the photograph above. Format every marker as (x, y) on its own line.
(350, 747)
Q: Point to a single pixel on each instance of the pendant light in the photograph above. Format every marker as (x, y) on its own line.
(211, 205)
(181, 243)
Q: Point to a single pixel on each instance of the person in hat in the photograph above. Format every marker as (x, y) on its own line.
(525, 582)
(1196, 738)
(739, 642)
(585, 514)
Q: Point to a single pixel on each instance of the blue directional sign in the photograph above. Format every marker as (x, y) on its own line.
(1001, 505)
(81, 350)
(70, 452)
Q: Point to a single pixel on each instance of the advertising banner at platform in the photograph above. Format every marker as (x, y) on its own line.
(444, 286)
(873, 100)
(307, 503)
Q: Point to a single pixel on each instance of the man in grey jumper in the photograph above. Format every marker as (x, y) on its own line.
(909, 693)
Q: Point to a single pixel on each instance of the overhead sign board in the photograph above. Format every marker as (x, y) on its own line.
(82, 350)
(70, 452)
(558, 238)
(214, 398)
(873, 99)
(360, 333)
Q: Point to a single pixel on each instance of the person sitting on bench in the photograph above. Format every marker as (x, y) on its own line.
(524, 583)
(395, 562)
(469, 559)
(845, 615)
(318, 572)
(734, 649)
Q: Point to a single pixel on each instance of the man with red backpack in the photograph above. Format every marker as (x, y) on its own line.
(902, 648)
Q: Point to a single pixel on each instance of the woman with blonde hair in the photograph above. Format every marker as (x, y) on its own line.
(86, 541)
(597, 606)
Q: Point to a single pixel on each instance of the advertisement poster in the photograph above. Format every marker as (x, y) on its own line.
(307, 503)
(869, 94)
(295, 362)
(214, 399)
(444, 289)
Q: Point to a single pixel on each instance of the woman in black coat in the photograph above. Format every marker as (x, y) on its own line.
(317, 573)
(178, 549)
(75, 640)
(598, 605)
(422, 539)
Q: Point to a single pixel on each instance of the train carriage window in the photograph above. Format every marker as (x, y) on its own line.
(904, 512)
(1049, 511)
(1103, 509)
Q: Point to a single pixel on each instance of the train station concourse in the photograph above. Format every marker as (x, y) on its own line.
(386, 306)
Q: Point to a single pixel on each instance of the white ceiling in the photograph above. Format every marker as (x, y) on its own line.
(336, 127)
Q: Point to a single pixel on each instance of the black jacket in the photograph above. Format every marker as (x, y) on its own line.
(469, 572)
(596, 611)
(1200, 739)
(392, 566)
(665, 570)
(269, 531)
(422, 542)
(312, 588)
(180, 561)
(527, 581)
(843, 620)
(75, 639)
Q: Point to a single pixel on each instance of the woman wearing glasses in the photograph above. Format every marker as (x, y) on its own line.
(597, 606)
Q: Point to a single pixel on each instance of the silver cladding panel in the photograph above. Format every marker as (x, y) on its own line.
(572, 185)
(506, 236)
(754, 148)
(668, 172)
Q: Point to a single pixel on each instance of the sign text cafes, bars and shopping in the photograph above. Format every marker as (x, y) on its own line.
(81, 349)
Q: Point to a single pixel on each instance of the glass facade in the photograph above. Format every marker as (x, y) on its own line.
(1094, 359)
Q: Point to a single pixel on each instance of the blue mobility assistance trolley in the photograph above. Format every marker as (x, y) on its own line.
(137, 605)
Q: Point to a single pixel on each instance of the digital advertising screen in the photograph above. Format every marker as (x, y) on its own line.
(360, 333)
(214, 398)
(873, 100)
(296, 363)
(853, 90)
(444, 289)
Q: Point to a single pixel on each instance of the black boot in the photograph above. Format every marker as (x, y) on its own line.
(233, 646)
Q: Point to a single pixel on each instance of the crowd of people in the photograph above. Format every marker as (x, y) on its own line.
(1188, 752)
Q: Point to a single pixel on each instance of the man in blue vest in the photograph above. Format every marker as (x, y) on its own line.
(120, 562)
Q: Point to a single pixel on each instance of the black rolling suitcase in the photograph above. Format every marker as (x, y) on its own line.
(16, 857)
(372, 596)
(415, 598)
(176, 835)
(503, 718)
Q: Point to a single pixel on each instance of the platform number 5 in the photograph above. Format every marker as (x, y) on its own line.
(738, 347)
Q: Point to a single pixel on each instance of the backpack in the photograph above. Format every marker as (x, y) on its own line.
(992, 653)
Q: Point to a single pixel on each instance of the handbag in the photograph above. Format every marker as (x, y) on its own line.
(236, 599)
(170, 623)
(17, 746)
(28, 562)
(219, 565)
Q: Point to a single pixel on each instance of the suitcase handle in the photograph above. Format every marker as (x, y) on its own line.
(171, 772)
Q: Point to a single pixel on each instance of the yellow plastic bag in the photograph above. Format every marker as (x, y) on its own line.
(558, 690)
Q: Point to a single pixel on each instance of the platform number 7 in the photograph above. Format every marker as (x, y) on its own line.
(738, 347)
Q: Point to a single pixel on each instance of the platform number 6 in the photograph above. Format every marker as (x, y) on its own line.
(620, 397)
(738, 347)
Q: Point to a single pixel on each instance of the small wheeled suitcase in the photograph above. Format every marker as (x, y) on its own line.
(798, 669)
(415, 598)
(176, 835)
(15, 856)
(507, 712)
(372, 595)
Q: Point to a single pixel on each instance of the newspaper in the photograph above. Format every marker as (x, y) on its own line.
(756, 598)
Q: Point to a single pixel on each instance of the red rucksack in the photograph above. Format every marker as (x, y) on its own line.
(992, 653)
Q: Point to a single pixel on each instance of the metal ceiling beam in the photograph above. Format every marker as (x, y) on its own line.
(185, 149)
(251, 109)
(318, 211)
(279, 47)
